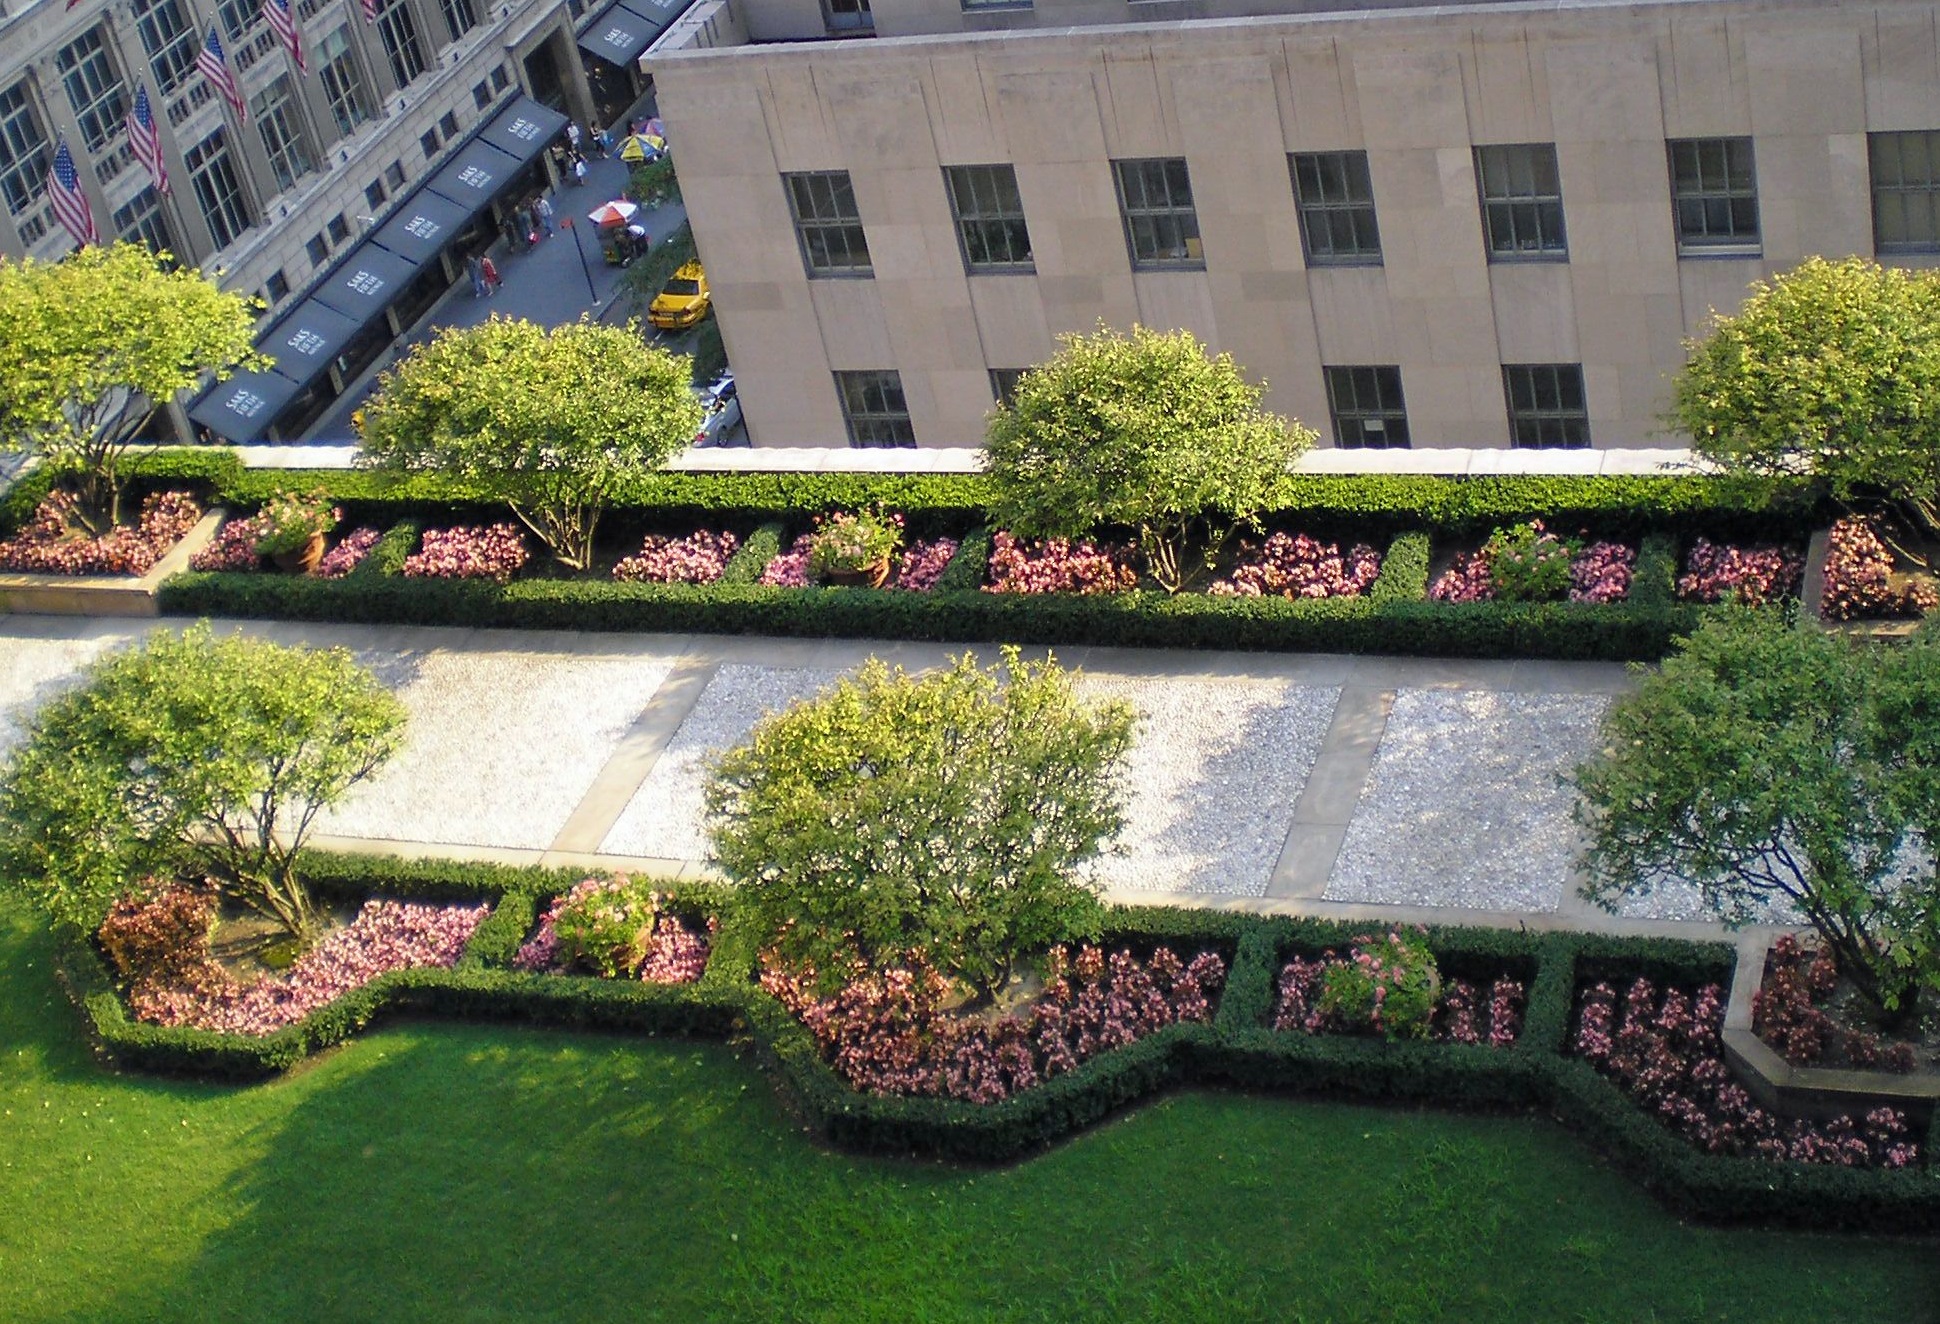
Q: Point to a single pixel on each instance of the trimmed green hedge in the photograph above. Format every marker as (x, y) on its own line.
(208, 473)
(1237, 1047)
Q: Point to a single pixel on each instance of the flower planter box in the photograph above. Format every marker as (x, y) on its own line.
(104, 595)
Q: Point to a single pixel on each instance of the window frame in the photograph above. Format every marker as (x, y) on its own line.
(1003, 384)
(460, 16)
(1517, 206)
(1353, 167)
(171, 50)
(1735, 244)
(1928, 190)
(287, 149)
(397, 32)
(143, 220)
(1157, 216)
(983, 221)
(1392, 415)
(101, 107)
(231, 206)
(344, 87)
(1574, 422)
(813, 189)
(852, 388)
(26, 152)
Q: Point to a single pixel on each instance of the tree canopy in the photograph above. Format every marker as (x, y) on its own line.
(94, 343)
(189, 752)
(937, 818)
(1829, 371)
(1146, 431)
(1766, 763)
(569, 413)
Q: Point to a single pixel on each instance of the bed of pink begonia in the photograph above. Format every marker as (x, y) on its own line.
(1297, 566)
(698, 558)
(1600, 572)
(487, 551)
(676, 954)
(1859, 577)
(1059, 565)
(49, 544)
(1754, 576)
(1462, 1016)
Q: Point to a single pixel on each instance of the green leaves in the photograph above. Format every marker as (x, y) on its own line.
(1145, 431)
(189, 752)
(941, 815)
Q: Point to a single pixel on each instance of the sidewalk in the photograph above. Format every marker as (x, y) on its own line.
(1349, 787)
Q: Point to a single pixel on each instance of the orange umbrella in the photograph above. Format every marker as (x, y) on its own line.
(613, 213)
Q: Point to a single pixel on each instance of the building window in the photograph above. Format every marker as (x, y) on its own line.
(393, 177)
(873, 404)
(1546, 409)
(317, 250)
(990, 217)
(374, 194)
(399, 32)
(217, 190)
(1522, 200)
(238, 17)
(142, 222)
(339, 228)
(342, 88)
(1906, 191)
(501, 78)
(428, 142)
(1335, 199)
(461, 16)
(24, 154)
(1714, 192)
(1155, 198)
(168, 39)
(93, 89)
(448, 124)
(848, 15)
(274, 111)
(828, 224)
(278, 287)
(481, 96)
(1003, 384)
(1369, 413)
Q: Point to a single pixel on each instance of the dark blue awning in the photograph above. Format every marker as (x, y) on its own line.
(619, 35)
(661, 13)
(242, 408)
(305, 339)
(422, 227)
(366, 283)
(523, 128)
(474, 177)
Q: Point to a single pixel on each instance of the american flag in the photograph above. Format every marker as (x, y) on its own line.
(280, 18)
(145, 140)
(370, 11)
(70, 204)
(216, 69)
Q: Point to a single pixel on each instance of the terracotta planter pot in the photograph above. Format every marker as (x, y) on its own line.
(304, 560)
(874, 576)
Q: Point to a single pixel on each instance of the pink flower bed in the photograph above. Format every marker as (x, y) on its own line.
(890, 1034)
(1859, 578)
(1299, 567)
(1754, 576)
(385, 936)
(233, 549)
(789, 569)
(1662, 1049)
(1600, 572)
(676, 954)
(1058, 565)
(490, 551)
(52, 544)
(348, 554)
(1462, 1016)
(923, 564)
(1785, 1013)
(699, 558)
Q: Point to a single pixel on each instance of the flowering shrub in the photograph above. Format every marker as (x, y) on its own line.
(233, 548)
(699, 558)
(1299, 567)
(923, 564)
(160, 935)
(1461, 1016)
(1058, 565)
(1754, 576)
(1663, 1051)
(851, 543)
(790, 568)
(1467, 580)
(890, 1034)
(616, 928)
(1529, 563)
(53, 543)
(1785, 1014)
(1388, 984)
(490, 551)
(1859, 577)
(288, 521)
(385, 936)
(1601, 572)
(348, 554)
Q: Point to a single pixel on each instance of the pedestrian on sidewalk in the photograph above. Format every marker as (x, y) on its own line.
(579, 170)
(490, 272)
(543, 210)
(596, 139)
(522, 226)
(572, 134)
(475, 268)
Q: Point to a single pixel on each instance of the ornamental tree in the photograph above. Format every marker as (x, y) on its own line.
(1769, 763)
(189, 753)
(1832, 372)
(564, 417)
(940, 818)
(1146, 431)
(91, 345)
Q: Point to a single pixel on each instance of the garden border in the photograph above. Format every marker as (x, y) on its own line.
(1236, 1048)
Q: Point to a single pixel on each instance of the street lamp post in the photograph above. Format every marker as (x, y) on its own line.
(584, 266)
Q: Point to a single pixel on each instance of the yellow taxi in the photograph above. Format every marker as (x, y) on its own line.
(682, 301)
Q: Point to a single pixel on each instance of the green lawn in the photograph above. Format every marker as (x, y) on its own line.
(442, 1171)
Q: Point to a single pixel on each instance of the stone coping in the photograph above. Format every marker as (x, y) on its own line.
(105, 595)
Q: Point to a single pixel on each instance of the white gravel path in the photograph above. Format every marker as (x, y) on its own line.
(1466, 806)
(501, 747)
(1211, 780)
(33, 671)
(664, 818)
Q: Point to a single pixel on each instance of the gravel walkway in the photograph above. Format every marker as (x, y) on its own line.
(1211, 780)
(1466, 806)
(501, 747)
(32, 671)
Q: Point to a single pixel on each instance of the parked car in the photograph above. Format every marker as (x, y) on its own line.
(682, 301)
(723, 414)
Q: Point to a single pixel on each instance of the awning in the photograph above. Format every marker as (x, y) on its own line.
(619, 35)
(422, 227)
(523, 129)
(305, 339)
(242, 408)
(474, 177)
(366, 283)
(662, 12)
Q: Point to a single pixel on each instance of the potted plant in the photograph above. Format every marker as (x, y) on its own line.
(291, 529)
(855, 549)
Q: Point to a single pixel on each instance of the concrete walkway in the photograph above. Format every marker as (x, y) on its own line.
(1348, 787)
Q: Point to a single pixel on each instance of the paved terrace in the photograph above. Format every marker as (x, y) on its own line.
(1347, 787)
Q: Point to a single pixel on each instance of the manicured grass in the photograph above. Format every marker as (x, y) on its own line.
(442, 1171)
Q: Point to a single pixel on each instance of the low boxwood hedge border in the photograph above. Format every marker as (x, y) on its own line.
(1237, 1048)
